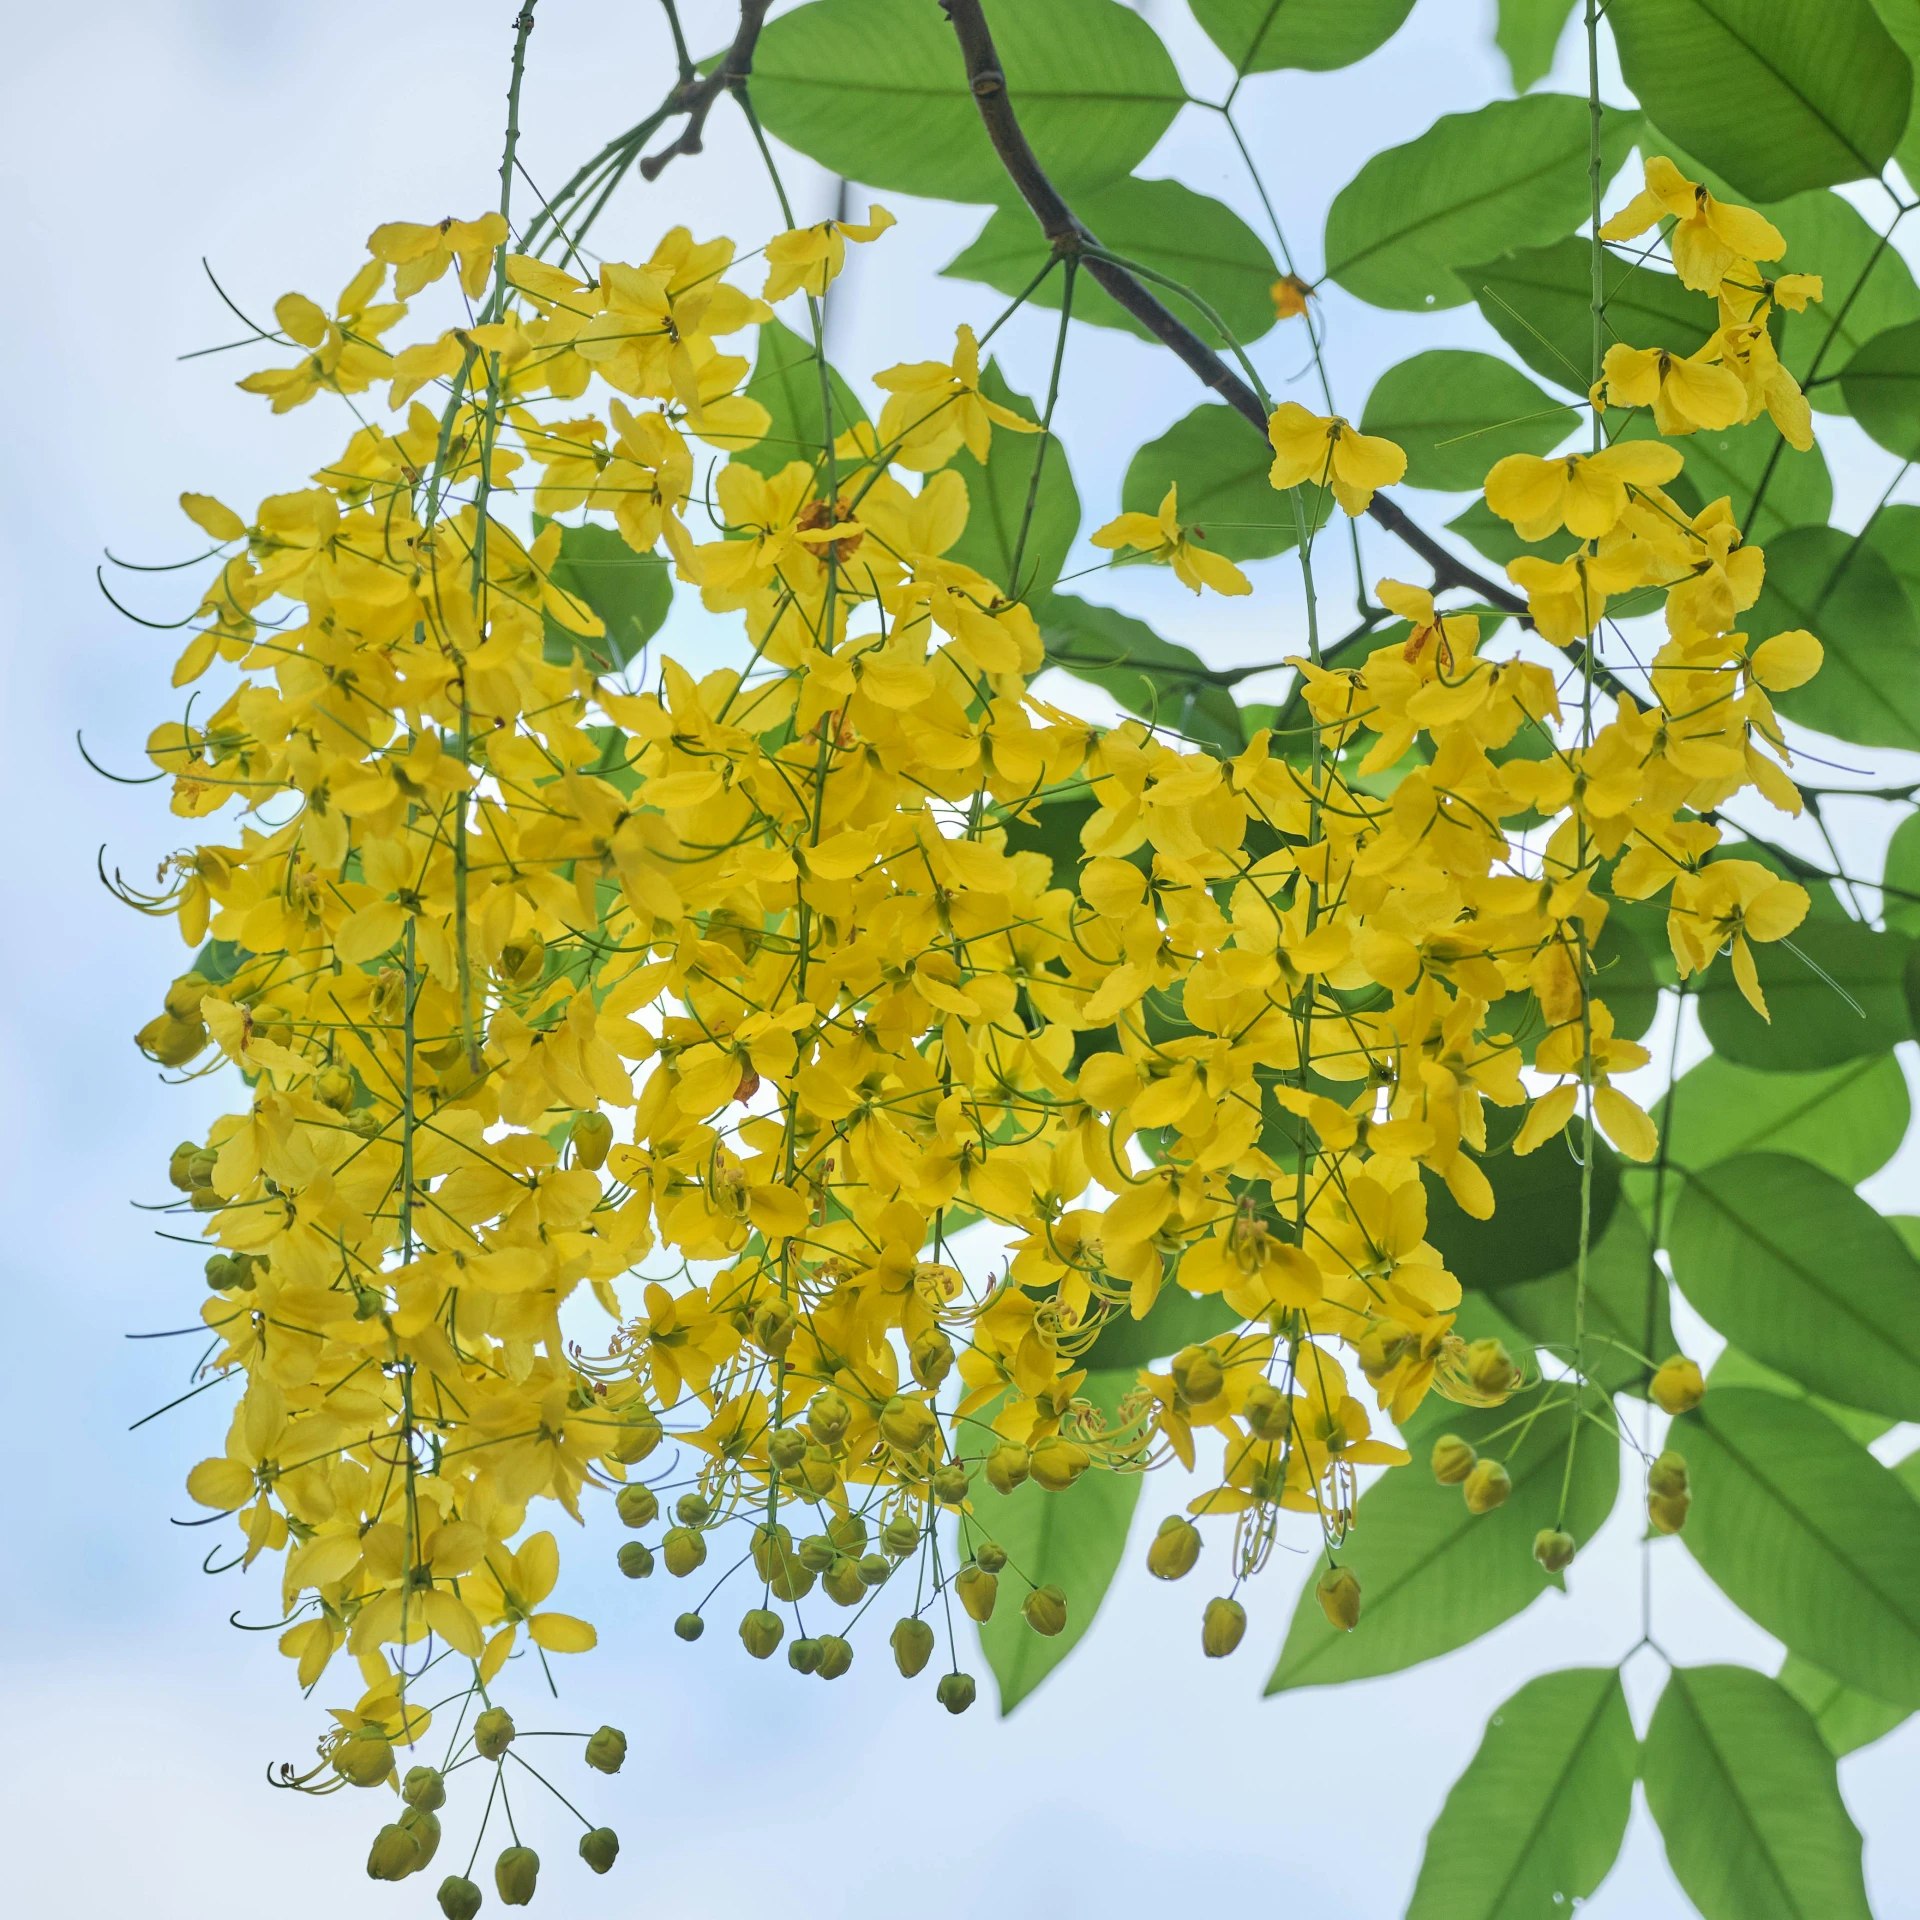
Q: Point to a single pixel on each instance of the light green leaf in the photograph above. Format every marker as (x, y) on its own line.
(1736, 1369)
(1775, 95)
(1540, 302)
(877, 92)
(1868, 287)
(1220, 465)
(1472, 185)
(1072, 1539)
(1487, 533)
(786, 381)
(1847, 1719)
(1528, 33)
(1167, 684)
(1535, 1227)
(1432, 1575)
(1455, 414)
(1747, 1801)
(1259, 36)
(997, 500)
(1813, 1023)
(1901, 18)
(1881, 386)
(1535, 1822)
(1797, 1270)
(629, 591)
(1799, 489)
(1901, 874)
(1808, 1533)
(1894, 534)
(1160, 223)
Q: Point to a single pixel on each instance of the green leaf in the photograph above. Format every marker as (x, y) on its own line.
(629, 591)
(1797, 1270)
(1167, 684)
(1747, 1800)
(1471, 185)
(1536, 1821)
(1775, 95)
(1487, 533)
(1847, 1719)
(1813, 1024)
(1220, 465)
(1535, 1227)
(1072, 1539)
(1540, 302)
(1869, 287)
(1176, 1319)
(786, 381)
(1894, 534)
(1736, 1369)
(1528, 33)
(1160, 223)
(1902, 20)
(997, 499)
(1055, 831)
(877, 92)
(1881, 386)
(1455, 414)
(1259, 36)
(1627, 1310)
(1809, 1534)
(1434, 1576)
(1799, 489)
(1901, 874)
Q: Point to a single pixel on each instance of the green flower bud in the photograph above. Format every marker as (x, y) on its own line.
(874, 1569)
(803, 1655)
(991, 1555)
(817, 1553)
(761, 1631)
(1056, 1463)
(684, 1550)
(912, 1644)
(907, 1425)
(638, 1436)
(786, 1448)
(1008, 1465)
(841, 1582)
(693, 1510)
(1668, 1474)
(978, 1590)
(1221, 1627)
(592, 1135)
(333, 1087)
(1667, 1512)
(200, 1169)
(1175, 1548)
(230, 1273)
(1199, 1376)
(393, 1855)
(1553, 1549)
(364, 1757)
(515, 1874)
(181, 1160)
(522, 959)
(836, 1656)
(1491, 1370)
(493, 1733)
(900, 1536)
(689, 1626)
(955, 1692)
(1677, 1385)
(459, 1899)
(1046, 1610)
(600, 1849)
(170, 1042)
(829, 1417)
(1338, 1591)
(636, 1559)
(607, 1750)
(184, 996)
(1486, 1487)
(425, 1788)
(1267, 1411)
(950, 1484)
(773, 1328)
(424, 1825)
(1453, 1459)
(637, 1506)
(931, 1357)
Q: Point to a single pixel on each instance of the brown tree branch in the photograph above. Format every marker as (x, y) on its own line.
(695, 95)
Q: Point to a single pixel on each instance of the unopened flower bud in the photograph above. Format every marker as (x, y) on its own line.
(600, 1849)
(1490, 1367)
(955, 1692)
(1486, 1487)
(637, 1437)
(829, 1416)
(1221, 1628)
(364, 1757)
(515, 1874)
(1453, 1459)
(229, 1273)
(1338, 1591)
(991, 1555)
(693, 1510)
(836, 1656)
(636, 1559)
(200, 1169)
(978, 1590)
(1046, 1610)
(931, 1357)
(1668, 1474)
(607, 1750)
(424, 1827)
(1008, 1464)
(1677, 1385)
(459, 1898)
(1268, 1412)
(637, 1506)
(907, 1425)
(1056, 1463)
(523, 959)
(786, 1448)
(180, 1161)
(170, 1042)
(493, 1733)
(393, 1855)
(950, 1484)
(842, 1583)
(425, 1788)
(803, 1654)
(689, 1626)
(1667, 1512)
(901, 1535)
(912, 1644)
(816, 1553)
(761, 1631)
(333, 1087)
(1175, 1548)
(874, 1569)
(1198, 1375)
(592, 1137)
(1553, 1549)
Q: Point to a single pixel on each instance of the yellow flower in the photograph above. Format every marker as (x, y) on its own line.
(1164, 539)
(422, 253)
(1708, 236)
(1290, 296)
(935, 408)
(1729, 903)
(1330, 453)
(1685, 394)
(1584, 492)
(809, 258)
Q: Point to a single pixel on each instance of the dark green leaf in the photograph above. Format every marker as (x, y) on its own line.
(1176, 1319)
(1536, 1821)
(1167, 684)
(1868, 289)
(1072, 1539)
(1894, 534)
(1736, 1369)
(1540, 302)
(1881, 386)
(1901, 874)
(1775, 95)
(1814, 1023)
(1846, 1718)
(1535, 1227)
(1055, 831)
(786, 381)
(877, 92)
(1902, 20)
(1797, 1270)
(1528, 32)
(1472, 185)
(1808, 1533)
(1259, 36)
(997, 500)
(1625, 976)
(1626, 1308)
(1220, 465)
(1487, 533)
(1747, 1800)
(1455, 414)
(629, 591)
(1432, 1575)
(1799, 489)
(1160, 223)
